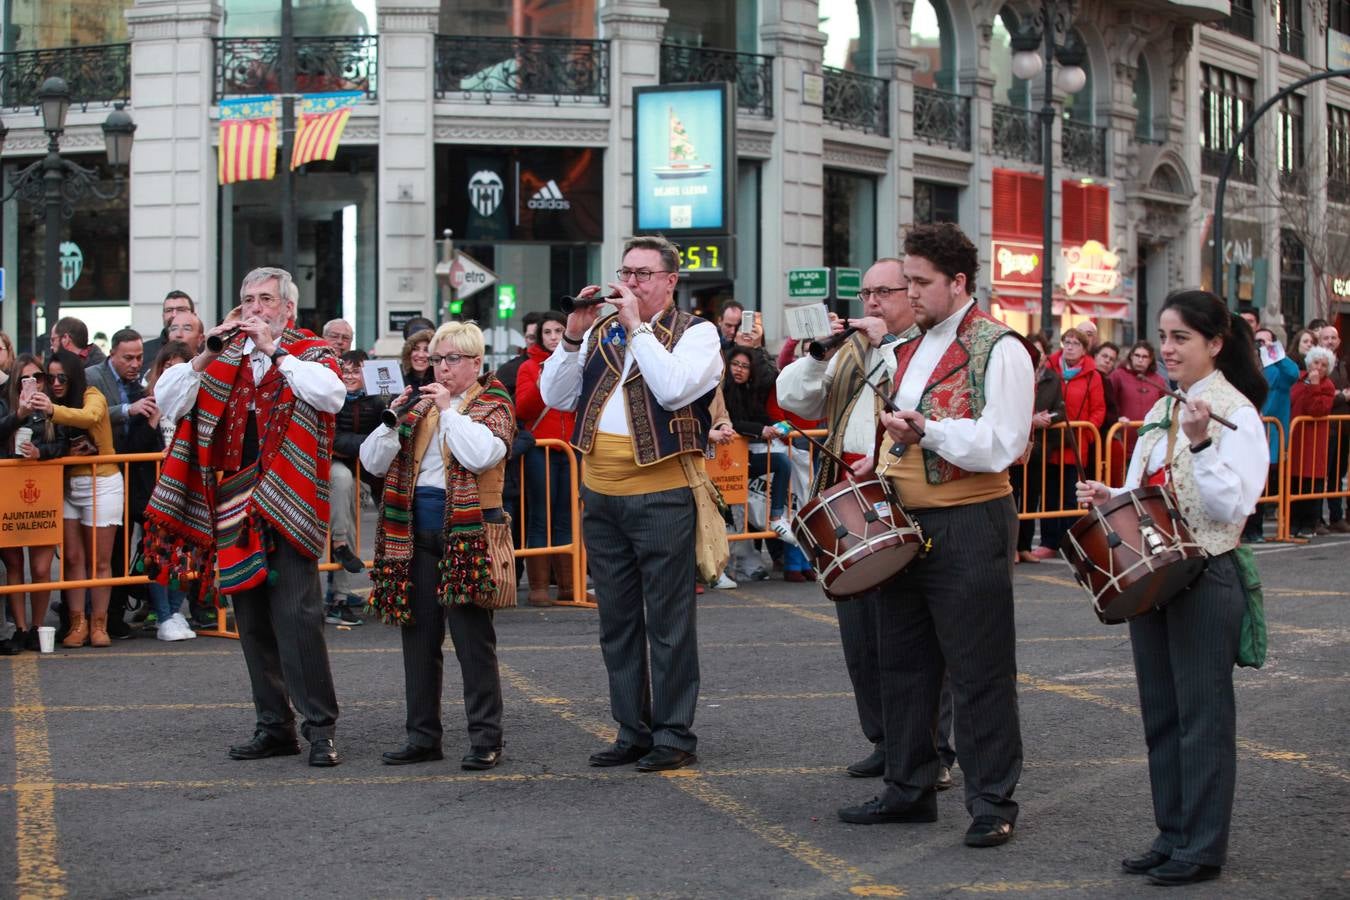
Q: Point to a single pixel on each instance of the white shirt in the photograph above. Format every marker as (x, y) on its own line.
(312, 382)
(470, 442)
(991, 442)
(1231, 473)
(675, 377)
(804, 388)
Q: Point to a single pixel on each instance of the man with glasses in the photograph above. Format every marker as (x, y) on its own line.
(175, 302)
(339, 334)
(259, 413)
(186, 327)
(641, 380)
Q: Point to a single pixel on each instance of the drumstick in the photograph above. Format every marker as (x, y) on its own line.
(1178, 395)
(785, 428)
(889, 405)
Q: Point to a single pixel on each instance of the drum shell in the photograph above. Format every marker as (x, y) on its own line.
(857, 536)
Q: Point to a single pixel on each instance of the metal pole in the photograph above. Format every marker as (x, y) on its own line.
(1048, 159)
(287, 73)
(52, 176)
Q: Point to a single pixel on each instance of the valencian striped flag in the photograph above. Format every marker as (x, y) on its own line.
(322, 120)
(248, 140)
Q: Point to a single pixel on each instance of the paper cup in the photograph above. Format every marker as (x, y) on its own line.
(46, 638)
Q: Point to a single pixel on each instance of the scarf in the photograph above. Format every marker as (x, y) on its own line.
(464, 569)
(193, 523)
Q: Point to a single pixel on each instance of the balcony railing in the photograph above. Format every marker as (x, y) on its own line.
(1291, 41)
(751, 73)
(522, 69)
(1244, 167)
(252, 65)
(1083, 147)
(856, 101)
(1017, 133)
(1241, 22)
(942, 118)
(96, 75)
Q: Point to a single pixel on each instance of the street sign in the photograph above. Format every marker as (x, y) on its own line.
(468, 276)
(847, 283)
(808, 284)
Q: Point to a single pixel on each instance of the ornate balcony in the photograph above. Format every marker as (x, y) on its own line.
(1083, 147)
(1017, 133)
(857, 102)
(97, 75)
(942, 118)
(1240, 21)
(522, 69)
(751, 73)
(1244, 167)
(252, 65)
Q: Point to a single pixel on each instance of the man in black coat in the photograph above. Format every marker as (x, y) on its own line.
(175, 302)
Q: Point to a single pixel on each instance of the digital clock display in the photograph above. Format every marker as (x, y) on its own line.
(706, 256)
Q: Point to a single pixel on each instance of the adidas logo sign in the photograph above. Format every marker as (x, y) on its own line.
(549, 197)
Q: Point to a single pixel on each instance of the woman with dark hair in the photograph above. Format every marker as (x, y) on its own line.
(1184, 653)
(39, 439)
(417, 371)
(94, 494)
(749, 379)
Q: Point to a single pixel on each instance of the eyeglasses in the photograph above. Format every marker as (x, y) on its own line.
(642, 275)
(175, 310)
(60, 378)
(738, 365)
(450, 359)
(334, 335)
(881, 293)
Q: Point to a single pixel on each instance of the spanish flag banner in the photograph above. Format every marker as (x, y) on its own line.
(248, 140)
(322, 120)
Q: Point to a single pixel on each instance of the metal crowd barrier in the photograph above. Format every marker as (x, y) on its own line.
(575, 548)
(1329, 436)
(1057, 440)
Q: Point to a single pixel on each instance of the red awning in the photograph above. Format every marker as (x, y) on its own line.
(1101, 307)
(1024, 302)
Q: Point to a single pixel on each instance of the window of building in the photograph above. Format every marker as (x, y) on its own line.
(1143, 101)
(1008, 88)
(1086, 214)
(1241, 20)
(933, 41)
(850, 42)
(262, 18)
(936, 203)
(42, 24)
(1338, 15)
(725, 24)
(1019, 200)
(1338, 154)
(1290, 128)
(1078, 106)
(1293, 266)
(1225, 105)
(850, 221)
(518, 18)
(1289, 15)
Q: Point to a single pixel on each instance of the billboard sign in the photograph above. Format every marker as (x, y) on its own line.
(684, 159)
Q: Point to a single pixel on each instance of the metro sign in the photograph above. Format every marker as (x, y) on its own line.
(468, 276)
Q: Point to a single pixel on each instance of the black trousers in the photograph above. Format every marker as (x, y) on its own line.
(943, 615)
(281, 633)
(475, 641)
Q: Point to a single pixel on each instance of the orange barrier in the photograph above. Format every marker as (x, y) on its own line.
(1321, 436)
(1057, 439)
(575, 548)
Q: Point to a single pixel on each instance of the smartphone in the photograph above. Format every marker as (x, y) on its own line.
(29, 388)
(748, 320)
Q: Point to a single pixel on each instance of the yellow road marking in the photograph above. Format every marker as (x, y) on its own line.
(39, 872)
(1050, 579)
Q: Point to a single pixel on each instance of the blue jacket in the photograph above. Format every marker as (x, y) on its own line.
(1281, 377)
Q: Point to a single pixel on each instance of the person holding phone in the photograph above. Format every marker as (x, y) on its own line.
(27, 434)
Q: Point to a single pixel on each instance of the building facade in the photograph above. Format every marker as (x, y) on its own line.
(512, 125)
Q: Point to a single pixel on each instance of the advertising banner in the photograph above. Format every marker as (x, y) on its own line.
(684, 158)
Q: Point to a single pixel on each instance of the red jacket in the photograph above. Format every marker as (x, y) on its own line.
(1308, 442)
(1084, 401)
(530, 404)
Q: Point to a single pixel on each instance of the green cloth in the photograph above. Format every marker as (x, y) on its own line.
(1253, 642)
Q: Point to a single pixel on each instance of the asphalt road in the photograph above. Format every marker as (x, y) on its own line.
(114, 780)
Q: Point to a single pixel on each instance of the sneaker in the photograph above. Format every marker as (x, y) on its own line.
(183, 627)
(342, 615)
(171, 629)
(783, 529)
(350, 561)
(724, 583)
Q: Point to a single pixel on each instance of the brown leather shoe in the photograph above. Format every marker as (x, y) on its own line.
(98, 632)
(79, 631)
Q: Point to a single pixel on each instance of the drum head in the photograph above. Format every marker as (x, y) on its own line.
(863, 571)
(1153, 591)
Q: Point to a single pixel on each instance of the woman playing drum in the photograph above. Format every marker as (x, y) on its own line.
(1184, 653)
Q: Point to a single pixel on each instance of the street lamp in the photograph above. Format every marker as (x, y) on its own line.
(1038, 43)
(58, 184)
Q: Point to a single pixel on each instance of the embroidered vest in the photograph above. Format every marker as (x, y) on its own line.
(846, 391)
(657, 433)
(1216, 537)
(955, 390)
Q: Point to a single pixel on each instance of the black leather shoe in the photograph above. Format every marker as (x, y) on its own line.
(1141, 864)
(411, 754)
(11, 646)
(879, 812)
(322, 753)
(264, 745)
(988, 831)
(944, 779)
(873, 766)
(662, 759)
(1175, 872)
(350, 561)
(620, 753)
(479, 758)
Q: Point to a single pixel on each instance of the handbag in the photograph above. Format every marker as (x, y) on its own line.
(502, 565)
(711, 550)
(1253, 641)
(757, 503)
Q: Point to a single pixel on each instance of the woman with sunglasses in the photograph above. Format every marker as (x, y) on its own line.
(27, 434)
(94, 495)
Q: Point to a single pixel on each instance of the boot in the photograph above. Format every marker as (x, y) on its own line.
(536, 568)
(98, 631)
(562, 570)
(79, 630)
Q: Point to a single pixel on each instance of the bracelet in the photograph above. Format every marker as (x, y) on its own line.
(644, 328)
(278, 354)
(1202, 446)
(571, 341)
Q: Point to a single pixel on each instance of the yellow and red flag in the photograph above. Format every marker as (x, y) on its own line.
(317, 135)
(248, 150)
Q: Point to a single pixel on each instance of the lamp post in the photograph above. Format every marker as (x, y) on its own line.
(1049, 33)
(59, 183)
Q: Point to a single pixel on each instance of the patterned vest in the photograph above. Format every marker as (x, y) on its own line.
(1216, 537)
(657, 433)
(955, 390)
(846, 391)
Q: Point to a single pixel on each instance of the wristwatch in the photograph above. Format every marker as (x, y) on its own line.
(1203, 445)
(278, 354)
(644, 328)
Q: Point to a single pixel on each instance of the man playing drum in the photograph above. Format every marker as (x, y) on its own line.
(833, 388)
(964, 388)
